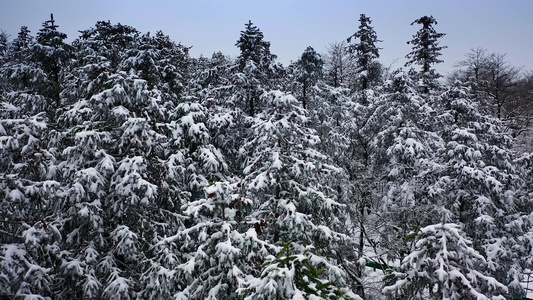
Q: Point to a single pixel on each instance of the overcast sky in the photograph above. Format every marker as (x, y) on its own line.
(503, 26)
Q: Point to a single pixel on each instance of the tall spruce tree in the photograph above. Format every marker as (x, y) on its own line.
(23, 39)
(309, 71)
(294, 192)
(254, 65)
(426, 52)
(426, 49)
(51, 54)
(30, 242)
(121, 194)
(365, 52)
(403, 145)
(253, 47)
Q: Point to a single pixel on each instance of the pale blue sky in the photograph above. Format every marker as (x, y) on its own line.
(503, 26)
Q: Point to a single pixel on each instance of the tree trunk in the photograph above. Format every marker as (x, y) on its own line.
(304, 102)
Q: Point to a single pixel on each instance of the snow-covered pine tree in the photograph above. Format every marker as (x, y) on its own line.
(352, 142)
(25, 83)
(294, 192)
(109, 40)
(191, 164)
(4, 57)
(4, 46)
(23, 39)
(479, 186)
(235, 95)
(215, 239)
(227, 122)
(119, 201)
(426, 51)
(51, 55)
(110, 170)
(30, 242)
(308, 71)
(253, 47)
(17, 52)
(29, 186)
(403, 148)
(255, 67)
(161, 62)
(365, 52)
(217, 248)
(213, 75)
(443, 265)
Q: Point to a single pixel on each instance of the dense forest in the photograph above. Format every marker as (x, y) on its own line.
(130, 170)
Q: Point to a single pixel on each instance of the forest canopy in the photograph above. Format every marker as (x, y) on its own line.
(130, 170)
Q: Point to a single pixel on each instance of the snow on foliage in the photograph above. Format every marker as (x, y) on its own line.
(443, 265)
(129, 170)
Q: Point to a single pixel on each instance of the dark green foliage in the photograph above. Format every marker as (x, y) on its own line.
(256, 68)
(309, 71)
(253, 47)
(426, 49)
(309, 280)
(364, 51)
(23, 39)
(51, 55)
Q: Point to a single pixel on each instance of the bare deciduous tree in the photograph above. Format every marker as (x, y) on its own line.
(499, 86)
